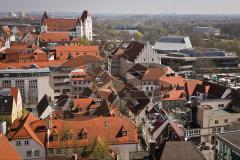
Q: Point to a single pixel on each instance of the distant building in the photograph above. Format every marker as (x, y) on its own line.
(172, 43)
(80, 27)
(227, 146)
(137, 52)
(206, 31)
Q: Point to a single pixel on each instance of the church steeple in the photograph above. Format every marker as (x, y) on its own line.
(78, 22)
(45, 16)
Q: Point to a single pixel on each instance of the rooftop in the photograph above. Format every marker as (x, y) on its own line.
(231, 138)
(181, 150)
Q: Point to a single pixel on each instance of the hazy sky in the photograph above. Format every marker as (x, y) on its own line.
(126, 6)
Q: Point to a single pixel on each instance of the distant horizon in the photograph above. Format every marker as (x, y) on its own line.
(122, 14)
(121, 7)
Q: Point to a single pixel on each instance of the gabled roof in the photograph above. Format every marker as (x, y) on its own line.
(137, 71)
(174, 95)
(52, 37)
(24, 65)
(103, 109)
(39, 51)
(133, 50)
(116, 54)
(42, 105)
(82, 60)
(21, 128)
(154, 73)
(85, 14)
(191, 86)
(7, 151)
(173, 80)
(82, 103)
(135, 99)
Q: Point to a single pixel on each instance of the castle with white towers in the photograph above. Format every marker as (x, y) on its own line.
(80, 27)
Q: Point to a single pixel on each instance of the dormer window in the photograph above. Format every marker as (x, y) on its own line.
(83, 134)
(68, 135)
(123, 132)
(54, 136)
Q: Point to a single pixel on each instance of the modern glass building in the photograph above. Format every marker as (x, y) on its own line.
(227, 146)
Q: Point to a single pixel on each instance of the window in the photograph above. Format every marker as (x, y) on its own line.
(36, 153)
(147, 88)
(68, 136)
(225, 128)
(83, 135)
(29, 153)
(26, 143)
(50, 150)
(225, 120)
(238, 119)
(58, 150)
(54, 137)
(152, 59)
(220, 105)
(216, 121)
(124, 133)
(216, 130)
(18, 143)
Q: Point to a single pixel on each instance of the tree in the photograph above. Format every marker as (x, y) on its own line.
(98, 150)
(137, 36)
(84, 41)
(24, 112)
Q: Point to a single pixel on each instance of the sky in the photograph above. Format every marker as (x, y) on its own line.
(126, 6)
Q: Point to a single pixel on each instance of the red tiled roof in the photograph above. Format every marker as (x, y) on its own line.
(21, 128)
(38, 51)
(154, 73)
(82, 102)
(60, 24)
(40, 64)
(173, 80)
(7, 151)
(191, 85)
(62, 52)
(106, 128)
(82, 60)
(54, 37)
(175, 95)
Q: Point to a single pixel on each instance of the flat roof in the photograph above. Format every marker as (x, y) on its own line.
(232, 138)
(181, 150)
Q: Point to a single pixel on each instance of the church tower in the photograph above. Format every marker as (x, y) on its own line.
(43, 22)
(79, 28)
